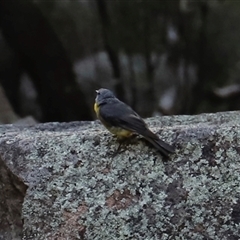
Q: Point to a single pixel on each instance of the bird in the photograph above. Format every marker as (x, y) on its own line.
(121, 120)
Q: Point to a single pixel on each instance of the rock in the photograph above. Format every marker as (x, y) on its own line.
(62, 181)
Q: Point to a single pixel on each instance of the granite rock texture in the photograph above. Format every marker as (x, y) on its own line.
(65, 181)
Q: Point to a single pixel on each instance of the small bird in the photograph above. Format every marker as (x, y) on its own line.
(122, 121)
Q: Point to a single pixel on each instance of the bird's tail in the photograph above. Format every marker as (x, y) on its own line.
(162, 146)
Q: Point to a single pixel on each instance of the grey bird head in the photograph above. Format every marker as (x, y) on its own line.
(103, 94)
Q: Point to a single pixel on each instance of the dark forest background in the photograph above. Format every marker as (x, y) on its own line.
(161, 57)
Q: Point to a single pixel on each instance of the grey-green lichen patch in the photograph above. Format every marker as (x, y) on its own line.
(80, 189)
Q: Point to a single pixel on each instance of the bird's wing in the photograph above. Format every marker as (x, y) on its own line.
(121, 115)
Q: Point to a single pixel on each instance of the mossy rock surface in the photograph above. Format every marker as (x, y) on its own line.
(63, 181)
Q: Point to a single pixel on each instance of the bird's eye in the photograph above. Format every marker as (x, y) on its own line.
(97, 92)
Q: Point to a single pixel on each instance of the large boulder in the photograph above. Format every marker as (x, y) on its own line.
(66, 181)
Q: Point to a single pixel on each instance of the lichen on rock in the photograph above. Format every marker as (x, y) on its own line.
(77, 188)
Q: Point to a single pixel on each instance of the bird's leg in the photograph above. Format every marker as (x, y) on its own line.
(124, 141)
(121, 141)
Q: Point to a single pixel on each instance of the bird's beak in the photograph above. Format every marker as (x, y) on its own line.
(96, 91)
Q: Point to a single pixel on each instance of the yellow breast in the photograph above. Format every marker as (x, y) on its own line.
(120, 132)
(96, 109)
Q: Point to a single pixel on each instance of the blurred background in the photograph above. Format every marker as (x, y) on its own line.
(161, 57)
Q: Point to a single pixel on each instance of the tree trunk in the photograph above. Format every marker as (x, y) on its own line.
(110, 44)
(43, 57)
(199, 89)
(151, 99)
